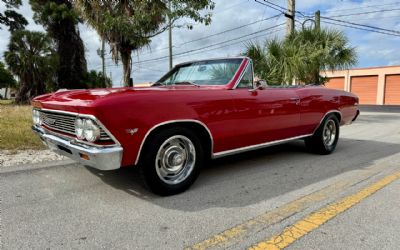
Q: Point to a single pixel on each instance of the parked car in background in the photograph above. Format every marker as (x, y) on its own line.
(197, 111)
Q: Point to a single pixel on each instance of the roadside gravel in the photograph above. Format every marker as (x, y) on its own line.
(19, 157)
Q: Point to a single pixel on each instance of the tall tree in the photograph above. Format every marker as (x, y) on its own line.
(329, 50)
(6, 79)
(61, 22)
(301, 56)
(129, 25)
(30, 56)
(12, 19)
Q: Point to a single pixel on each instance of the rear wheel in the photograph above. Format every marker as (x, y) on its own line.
(325, 139)
(172, 160)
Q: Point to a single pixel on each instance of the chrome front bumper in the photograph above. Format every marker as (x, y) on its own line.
(102, 158)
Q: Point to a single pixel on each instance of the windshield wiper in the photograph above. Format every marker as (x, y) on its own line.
(187, 82)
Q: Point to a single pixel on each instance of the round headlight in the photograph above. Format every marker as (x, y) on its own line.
(36, 117)
(79, 129)
(91, 131)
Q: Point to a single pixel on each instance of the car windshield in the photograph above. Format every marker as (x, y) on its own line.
(213, 72)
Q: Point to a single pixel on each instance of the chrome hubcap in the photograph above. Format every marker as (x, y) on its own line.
(329, 133)
(175, 159)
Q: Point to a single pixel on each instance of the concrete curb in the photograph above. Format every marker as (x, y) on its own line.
(380, 108)
(35, 166)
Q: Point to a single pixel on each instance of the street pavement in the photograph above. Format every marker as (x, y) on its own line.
(238, 202)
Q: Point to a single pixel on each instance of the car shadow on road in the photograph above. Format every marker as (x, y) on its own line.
(256, 176)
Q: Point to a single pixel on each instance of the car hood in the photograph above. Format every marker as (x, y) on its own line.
(77, 100)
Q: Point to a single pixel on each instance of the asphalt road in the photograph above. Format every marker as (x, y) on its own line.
(237, 202)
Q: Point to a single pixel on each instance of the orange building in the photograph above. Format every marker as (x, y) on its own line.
(378, 85)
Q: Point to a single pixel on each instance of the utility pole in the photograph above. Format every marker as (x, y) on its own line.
(317, 28)
(103, 59)
(290, 17)
(101, 53)
(170, 37)
(318, 20)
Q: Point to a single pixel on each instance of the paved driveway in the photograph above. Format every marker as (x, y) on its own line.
(237, 202)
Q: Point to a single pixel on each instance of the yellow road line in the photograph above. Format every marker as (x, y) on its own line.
(271, 217)
(316, 219)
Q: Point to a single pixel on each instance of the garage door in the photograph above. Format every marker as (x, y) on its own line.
(392, 90)
(335, 83)
(365, 87)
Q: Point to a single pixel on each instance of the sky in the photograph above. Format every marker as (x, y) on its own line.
(202, 42)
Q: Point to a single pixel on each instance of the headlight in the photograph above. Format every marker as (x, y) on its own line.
(91, 131)
(86, 129)
(36, 117)
(79, 127)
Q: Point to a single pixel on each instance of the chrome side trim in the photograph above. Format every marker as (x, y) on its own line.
(326, 114)
(257, 146)
(90, 117)
(171, 122)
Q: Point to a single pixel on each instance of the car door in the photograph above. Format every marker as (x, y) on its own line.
(263, 115)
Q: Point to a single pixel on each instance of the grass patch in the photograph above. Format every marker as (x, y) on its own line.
(6, 102)
(15, 127)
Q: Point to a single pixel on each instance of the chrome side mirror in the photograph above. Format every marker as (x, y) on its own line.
(259, 85)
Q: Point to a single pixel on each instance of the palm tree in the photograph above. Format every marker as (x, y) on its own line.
(30, 56)
(61, 20)
(301, 56)
(129, 25)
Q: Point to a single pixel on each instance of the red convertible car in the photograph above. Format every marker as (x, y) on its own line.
(197, 111)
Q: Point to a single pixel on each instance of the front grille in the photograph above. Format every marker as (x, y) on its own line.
(64, 123)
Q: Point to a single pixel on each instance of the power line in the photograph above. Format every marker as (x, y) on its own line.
(359, 28)
(203, 50)
(361, 7)
(215, 44)
(363, 13)
(271, 6)
(380, 18)
(362, 25)
(278, 7)
(215, 34)
(227, 45)
(229, 30)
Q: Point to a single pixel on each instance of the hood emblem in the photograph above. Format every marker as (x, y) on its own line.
(132, 131)
(50, 121)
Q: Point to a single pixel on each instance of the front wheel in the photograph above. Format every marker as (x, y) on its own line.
(325, 138)
(172, 161)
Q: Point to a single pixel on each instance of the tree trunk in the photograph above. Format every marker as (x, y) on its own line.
(24, 92)
(316, 78)
(29, 88)
(72, 63)
(5, 93)
(126, 62)
(72, 67)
